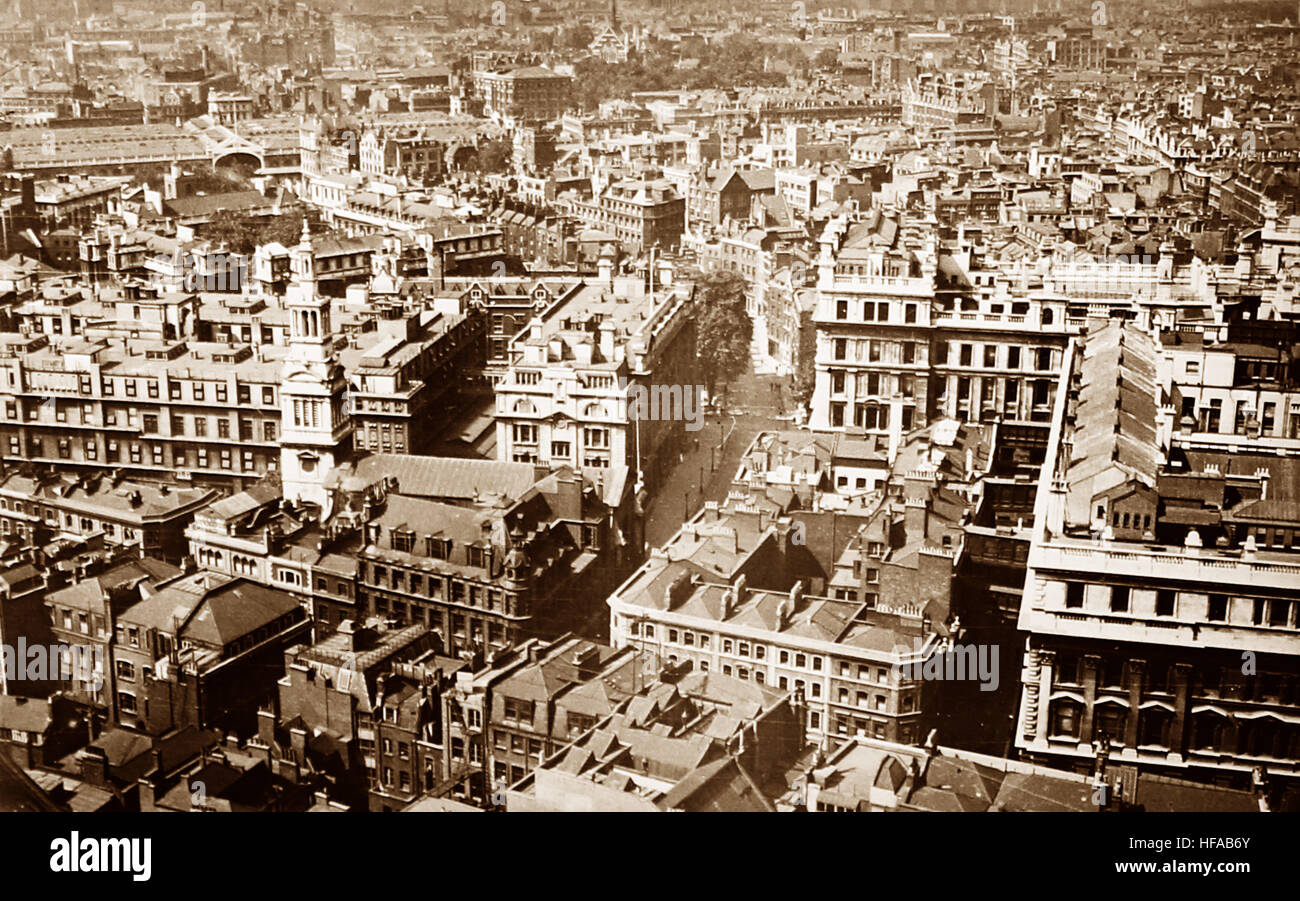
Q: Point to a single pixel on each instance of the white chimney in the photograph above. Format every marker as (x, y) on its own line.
(606, 331)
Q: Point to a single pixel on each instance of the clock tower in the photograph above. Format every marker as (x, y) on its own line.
(315, 427)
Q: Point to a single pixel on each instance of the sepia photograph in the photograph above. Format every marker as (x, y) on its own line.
(637, 406)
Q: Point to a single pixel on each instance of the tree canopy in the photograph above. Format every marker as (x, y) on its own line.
(244, 233)
(734, 60)
(492, 156)
(723, 327)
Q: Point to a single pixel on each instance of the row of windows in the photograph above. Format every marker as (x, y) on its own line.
(870, 415)
(872, 351)
(561, 453)
(592, 438)
(1042, 357)
(1209, 732)
(457, 591)
(874, 384)
(1209, 417)
(736, 647)
(403, 748)
(136, 454)
(519, 744)
(466, 631)
(148, 423)
(78, 620)
(198, 390)
(1274, 612)
(848, 725)
(1205, 680)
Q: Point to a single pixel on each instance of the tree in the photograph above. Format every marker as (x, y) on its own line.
(827, 59)
(723, 327)
(496, 155)
(244, 233)
(805, 376)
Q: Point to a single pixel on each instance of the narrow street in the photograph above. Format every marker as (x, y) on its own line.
(753, 403)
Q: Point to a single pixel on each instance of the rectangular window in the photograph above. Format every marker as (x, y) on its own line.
(1074, 594)
(1119, 597)
(1217, 609)
(518, 710)
(1165, 599)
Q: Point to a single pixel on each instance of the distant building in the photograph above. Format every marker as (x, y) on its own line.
(528, 94)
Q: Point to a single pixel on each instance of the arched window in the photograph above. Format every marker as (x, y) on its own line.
(1065, 718)
(1207, 730)
(1109, 719)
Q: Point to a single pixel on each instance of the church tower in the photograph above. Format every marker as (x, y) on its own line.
(315, 426)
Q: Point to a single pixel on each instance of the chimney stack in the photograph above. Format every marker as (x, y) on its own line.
(606, 332)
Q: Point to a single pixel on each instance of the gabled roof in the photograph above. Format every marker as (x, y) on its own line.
(723, 785)
(237, 609)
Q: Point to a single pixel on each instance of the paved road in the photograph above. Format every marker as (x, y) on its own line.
(706, 470)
